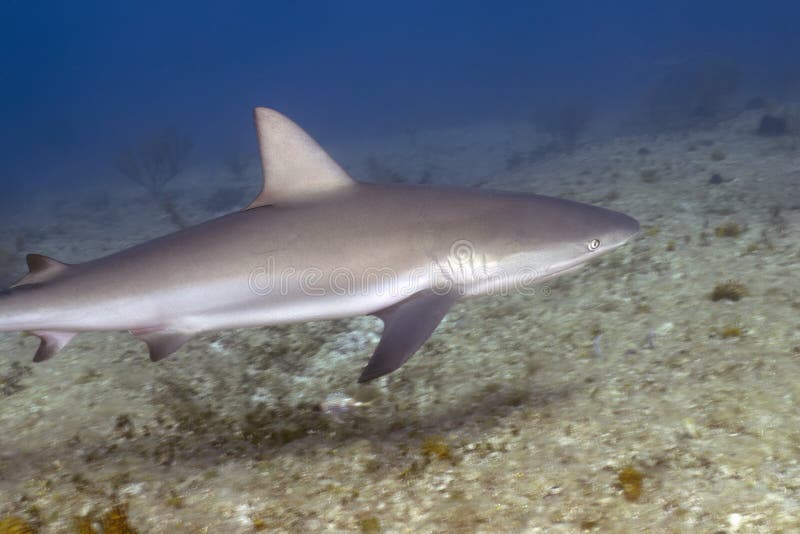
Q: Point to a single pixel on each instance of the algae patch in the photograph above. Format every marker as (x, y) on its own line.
(729, 290)
(15, 525)
(630, 479)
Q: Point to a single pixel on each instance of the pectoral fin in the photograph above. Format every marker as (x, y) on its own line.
(406, 326)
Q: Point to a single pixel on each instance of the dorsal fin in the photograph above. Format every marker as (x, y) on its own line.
(41, 269)
(295, 166)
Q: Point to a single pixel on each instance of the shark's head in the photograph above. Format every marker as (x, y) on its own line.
(540, 238)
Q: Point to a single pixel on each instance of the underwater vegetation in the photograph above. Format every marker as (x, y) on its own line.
(565, 122)
(15, 525)
(369, 524)
(113, 521)
(731, 331)
(729, 229)
(772, 126)
(691, 93)
(728, 290)
(237, 164)
(649, 176)
(630, 479)
(379, 172)
(756, 102)
(717, 155)
(10, 381)
(155, 162)
(516, 160)
(224, 199)
(9, 264)
(434, 447)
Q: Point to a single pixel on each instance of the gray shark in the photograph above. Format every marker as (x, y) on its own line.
(315, 244)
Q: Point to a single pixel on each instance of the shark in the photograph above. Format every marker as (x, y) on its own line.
(316, 244)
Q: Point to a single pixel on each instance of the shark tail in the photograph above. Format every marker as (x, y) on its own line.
(41, 269)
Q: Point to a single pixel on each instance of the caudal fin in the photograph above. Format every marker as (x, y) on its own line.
(43, 269)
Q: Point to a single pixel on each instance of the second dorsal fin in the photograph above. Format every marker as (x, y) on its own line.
(295, 166)
(41, 269)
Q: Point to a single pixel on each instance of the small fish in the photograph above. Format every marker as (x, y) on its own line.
(337, 405)
(598, 349)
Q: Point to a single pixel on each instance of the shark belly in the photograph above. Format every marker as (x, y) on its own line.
(296, 304)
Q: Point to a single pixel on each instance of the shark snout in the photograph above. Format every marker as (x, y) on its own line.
(629, 227)
(612, 227)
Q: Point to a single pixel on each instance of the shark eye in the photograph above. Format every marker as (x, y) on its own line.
(594, 244)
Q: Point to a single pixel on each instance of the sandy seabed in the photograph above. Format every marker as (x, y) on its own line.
(622, 399)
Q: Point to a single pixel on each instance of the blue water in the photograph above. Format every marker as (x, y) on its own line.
(546, 402)
(82, 80)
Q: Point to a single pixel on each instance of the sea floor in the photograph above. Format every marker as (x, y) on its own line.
(622, 398)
